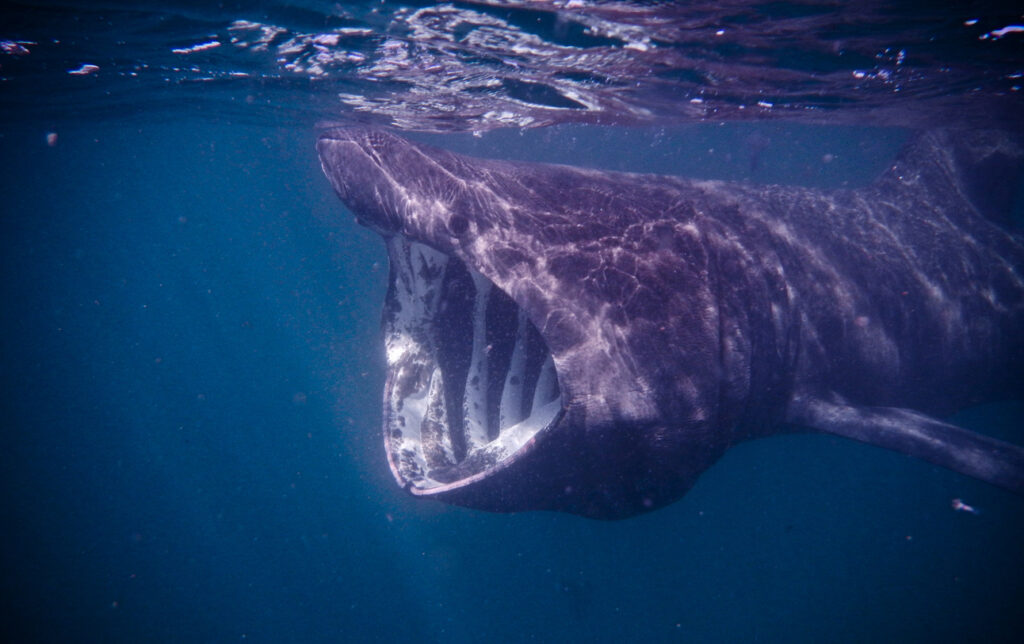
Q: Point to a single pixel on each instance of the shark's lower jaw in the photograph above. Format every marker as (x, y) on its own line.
(470, 380)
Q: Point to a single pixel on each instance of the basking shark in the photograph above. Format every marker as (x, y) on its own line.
(561, 338)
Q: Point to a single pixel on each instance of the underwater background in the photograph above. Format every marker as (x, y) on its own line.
(191, 377)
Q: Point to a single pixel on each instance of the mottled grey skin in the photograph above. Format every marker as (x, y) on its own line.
(686, 316)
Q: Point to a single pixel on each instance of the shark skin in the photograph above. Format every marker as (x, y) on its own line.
(561, 338)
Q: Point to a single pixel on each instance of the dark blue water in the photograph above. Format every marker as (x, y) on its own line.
(191, 452)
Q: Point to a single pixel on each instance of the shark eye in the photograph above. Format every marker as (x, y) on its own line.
(470, 379)
(458, 225)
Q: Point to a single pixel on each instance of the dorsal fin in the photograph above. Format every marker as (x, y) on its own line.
(982, 166)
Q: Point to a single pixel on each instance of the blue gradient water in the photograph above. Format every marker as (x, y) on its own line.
(190, 370)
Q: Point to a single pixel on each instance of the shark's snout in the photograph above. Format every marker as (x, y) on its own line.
(355, 162)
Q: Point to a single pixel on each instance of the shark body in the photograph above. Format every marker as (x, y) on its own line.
(561, 338)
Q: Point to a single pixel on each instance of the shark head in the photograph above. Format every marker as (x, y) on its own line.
(525, 325)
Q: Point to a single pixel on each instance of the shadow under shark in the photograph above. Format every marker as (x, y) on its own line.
(568, 339)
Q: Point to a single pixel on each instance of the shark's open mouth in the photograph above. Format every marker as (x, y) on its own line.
(470, 380)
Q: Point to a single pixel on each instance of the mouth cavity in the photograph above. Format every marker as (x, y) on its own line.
(470, 380)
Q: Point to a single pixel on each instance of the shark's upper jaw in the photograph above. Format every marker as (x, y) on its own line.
(470, 381)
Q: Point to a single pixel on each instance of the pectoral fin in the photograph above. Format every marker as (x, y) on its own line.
(920, 436)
